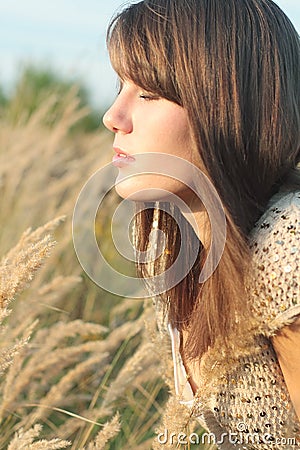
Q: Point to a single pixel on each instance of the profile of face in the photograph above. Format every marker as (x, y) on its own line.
(148, 130)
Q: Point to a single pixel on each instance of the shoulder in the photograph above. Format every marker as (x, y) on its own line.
(282, 210)
(274, 242)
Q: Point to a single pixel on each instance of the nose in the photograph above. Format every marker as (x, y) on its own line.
(117, 118)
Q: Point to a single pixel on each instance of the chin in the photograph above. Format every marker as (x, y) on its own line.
(149, 189)
(141, 194)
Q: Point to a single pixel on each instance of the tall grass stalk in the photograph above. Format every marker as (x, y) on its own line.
(79, 367)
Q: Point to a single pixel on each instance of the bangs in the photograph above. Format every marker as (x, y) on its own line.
(140, 47)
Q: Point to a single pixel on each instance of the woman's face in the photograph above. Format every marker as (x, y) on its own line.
(148, 130)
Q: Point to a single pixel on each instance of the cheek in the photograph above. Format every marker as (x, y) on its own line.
(177, 141)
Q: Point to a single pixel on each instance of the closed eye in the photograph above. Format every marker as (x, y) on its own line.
(120, 85)
(148, 96)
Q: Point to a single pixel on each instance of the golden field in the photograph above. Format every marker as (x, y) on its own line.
(80, 367)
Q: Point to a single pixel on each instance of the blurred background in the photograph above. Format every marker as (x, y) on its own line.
(75, 374)
(68, 37)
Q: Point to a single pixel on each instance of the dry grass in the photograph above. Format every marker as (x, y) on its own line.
(80, 368)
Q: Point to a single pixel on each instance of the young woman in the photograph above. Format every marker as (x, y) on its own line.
(215, 84)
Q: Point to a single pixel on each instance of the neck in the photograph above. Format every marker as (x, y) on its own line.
(197, 216)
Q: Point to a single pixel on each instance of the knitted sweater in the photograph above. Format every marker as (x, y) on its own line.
(250, 407)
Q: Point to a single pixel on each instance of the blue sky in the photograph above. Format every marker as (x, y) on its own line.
(68, 36)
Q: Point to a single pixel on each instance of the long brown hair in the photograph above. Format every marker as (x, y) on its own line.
(234, 66)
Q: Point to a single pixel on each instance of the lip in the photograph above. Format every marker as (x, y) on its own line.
(121, 158)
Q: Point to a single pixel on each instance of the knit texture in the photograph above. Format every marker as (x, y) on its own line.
(249, 406)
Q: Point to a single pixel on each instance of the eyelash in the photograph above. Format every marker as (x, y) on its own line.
(119, 88)
(142, 95)
(148, 97)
